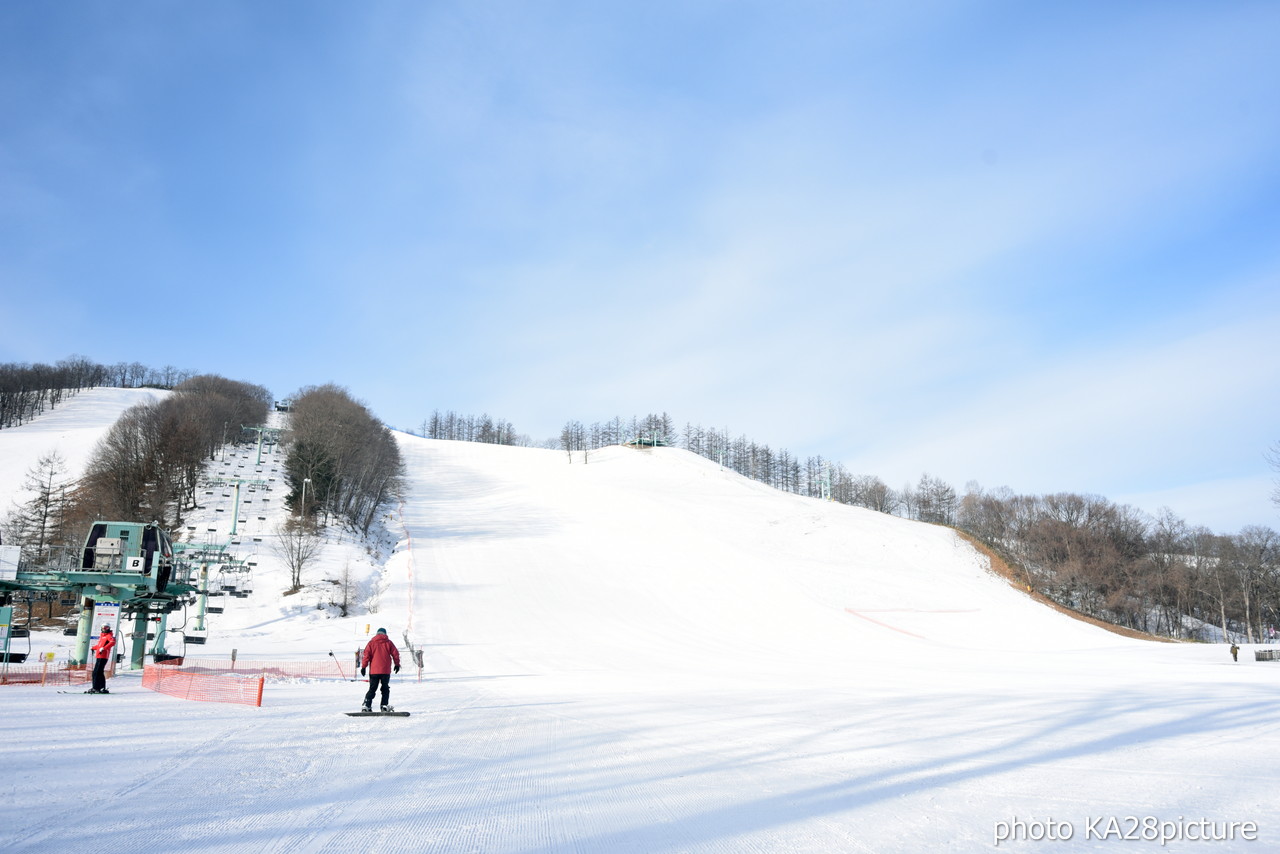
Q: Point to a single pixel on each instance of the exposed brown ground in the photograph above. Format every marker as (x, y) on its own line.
(999, 567)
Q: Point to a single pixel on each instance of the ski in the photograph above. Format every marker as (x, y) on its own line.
(82, 692)
(378, 714)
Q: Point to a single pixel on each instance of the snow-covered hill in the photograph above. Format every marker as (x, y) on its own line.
(657, 562)
(646, 653)
(71, 430)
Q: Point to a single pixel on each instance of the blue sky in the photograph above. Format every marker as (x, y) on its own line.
(1031, 245)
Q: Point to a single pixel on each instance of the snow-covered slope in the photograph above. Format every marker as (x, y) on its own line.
(658, 563)
(72, 430)
(646, 653)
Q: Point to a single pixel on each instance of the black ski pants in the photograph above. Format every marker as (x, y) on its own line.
(100, 675)
(377, 680)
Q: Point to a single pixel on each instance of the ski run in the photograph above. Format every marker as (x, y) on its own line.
(643, 653)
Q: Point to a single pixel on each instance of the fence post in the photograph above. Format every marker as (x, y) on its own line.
(261, 680)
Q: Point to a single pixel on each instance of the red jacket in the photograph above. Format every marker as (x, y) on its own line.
(379, 653)
(106, 641)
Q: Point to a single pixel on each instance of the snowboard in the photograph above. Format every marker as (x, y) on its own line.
(378, 714)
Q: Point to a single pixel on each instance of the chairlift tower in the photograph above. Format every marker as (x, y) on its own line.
(237, 482)
(271, 435)
(129, 563)
(204, 555)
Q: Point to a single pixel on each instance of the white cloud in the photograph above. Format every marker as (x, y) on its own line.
(1147, 412)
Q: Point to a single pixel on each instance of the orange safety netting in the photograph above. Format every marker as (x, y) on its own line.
(62, 674)
(321, 669)
(243, 688)
(44, 673)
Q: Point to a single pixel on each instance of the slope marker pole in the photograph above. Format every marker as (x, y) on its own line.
(339, 665)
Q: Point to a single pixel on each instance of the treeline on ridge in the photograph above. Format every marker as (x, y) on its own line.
(471, 428)
(27, 390)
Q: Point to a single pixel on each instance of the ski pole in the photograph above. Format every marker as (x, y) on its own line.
(339, 664)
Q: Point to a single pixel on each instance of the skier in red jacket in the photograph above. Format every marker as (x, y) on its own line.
(380, 658)
(102, 651)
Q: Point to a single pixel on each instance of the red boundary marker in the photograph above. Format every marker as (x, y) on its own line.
(885, 625)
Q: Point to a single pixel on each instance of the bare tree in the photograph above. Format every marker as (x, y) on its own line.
(346, 584)
(297, 544)
(1252, 557)
(573, 437)
(935, 501)
(873, 493)
(121, 480)
(1169, 577)
(39, 523)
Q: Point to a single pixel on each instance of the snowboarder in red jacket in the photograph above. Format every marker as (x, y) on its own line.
(380, 658)
(102, 652)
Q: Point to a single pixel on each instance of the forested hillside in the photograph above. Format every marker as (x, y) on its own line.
(342, 461)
